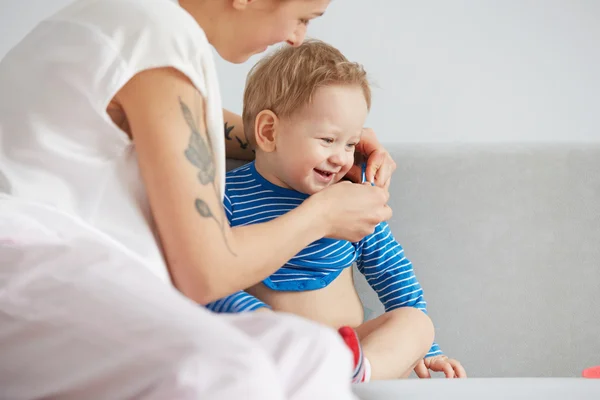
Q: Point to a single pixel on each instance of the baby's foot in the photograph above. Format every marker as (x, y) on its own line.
(592, 373)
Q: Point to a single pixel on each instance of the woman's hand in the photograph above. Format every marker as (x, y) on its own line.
(380, 165)
(350, 211)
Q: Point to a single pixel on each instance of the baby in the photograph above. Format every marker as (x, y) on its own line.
(304, 112)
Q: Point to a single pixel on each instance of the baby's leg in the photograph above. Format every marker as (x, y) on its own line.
(394, 342)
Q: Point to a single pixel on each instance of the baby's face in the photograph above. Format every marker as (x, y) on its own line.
(315, 148)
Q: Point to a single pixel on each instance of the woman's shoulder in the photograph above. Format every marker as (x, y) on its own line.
(125, 23)
(119, 11)
(125, 37)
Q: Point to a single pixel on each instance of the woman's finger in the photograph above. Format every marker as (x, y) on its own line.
(384, 173)
(386, 169)
(374, 164)
(387, 184)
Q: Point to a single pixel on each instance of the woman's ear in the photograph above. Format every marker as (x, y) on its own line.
(265, 130)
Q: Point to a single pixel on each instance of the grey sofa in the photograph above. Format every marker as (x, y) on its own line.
(505, 240)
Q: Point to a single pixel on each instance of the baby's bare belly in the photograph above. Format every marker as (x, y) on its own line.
(335, 305)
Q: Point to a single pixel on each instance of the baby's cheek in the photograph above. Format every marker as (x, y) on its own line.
(343, 171)
(301, 173)
(295, 165)
(347, 167)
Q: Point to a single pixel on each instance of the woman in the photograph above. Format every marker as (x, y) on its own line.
(111, 169)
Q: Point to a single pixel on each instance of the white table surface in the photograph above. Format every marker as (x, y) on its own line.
(482, 388)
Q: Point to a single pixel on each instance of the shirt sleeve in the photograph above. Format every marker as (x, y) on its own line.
(383, 263)
(238, 302)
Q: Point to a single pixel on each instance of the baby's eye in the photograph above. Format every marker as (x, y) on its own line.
(327, 140)
(304, 21)
(351, 145)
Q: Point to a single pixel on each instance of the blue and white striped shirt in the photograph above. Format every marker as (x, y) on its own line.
(251, 199)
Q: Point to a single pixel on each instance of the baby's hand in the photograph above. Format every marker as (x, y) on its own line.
(448, 366)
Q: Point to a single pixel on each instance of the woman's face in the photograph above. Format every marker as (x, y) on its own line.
(253, 26)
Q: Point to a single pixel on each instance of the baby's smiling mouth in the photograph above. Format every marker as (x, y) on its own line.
(326, 174)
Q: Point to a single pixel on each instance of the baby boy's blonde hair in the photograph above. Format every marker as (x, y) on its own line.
(286, 80)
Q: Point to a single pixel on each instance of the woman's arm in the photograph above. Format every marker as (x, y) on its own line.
(207, 259)
(236, 144)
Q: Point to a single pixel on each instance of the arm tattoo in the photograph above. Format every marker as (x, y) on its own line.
(228, 129)
(199, 153)
(243, 145)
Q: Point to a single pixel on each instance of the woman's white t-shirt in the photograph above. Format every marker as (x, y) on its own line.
(66, 170)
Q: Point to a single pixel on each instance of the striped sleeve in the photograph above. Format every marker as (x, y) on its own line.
(236, 303)
(390, 274)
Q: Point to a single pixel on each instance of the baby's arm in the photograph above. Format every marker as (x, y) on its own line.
(236, 303)
(390, 274)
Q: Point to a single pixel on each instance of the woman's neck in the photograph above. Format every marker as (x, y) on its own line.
(206, 13)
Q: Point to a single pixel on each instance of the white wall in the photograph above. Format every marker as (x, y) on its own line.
(17, 17)
(446, 70)
(469, 70)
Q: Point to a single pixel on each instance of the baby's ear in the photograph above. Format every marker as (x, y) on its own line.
(265, 130)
